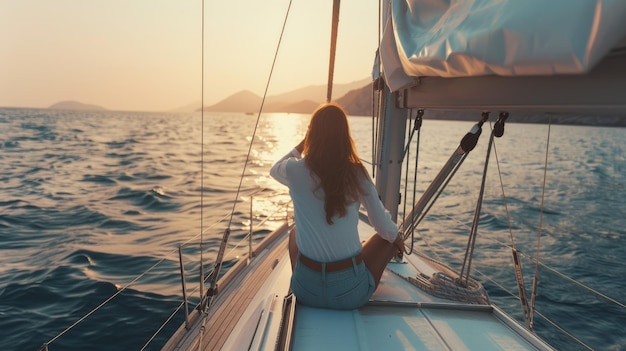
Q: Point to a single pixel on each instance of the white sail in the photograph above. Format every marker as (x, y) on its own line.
(461, 38)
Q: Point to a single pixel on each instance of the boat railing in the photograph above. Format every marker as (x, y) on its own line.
(189, 296)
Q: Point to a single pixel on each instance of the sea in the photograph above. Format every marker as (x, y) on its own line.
(96, 206)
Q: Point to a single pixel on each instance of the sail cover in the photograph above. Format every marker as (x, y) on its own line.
(463, 38)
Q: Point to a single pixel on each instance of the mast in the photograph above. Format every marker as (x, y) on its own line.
(391, 135)
(392, 131)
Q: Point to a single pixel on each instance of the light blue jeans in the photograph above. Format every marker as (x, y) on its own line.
(344, 290)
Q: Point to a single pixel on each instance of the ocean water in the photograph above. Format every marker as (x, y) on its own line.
(91, 200)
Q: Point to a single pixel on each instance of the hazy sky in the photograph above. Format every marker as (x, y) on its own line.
(146, 54)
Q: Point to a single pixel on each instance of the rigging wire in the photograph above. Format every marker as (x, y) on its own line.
(406, 157)
(536, 259)
(417, 127)
(377, 103)
(220, 255)
(498, 131)
(131, 283)
(377, 88)
(469, 252)
(202, 154)
(527, 310)
(541, 210)
(256, 126)
(414, 224)
(203, 306)
(375, 114)
(119, 291)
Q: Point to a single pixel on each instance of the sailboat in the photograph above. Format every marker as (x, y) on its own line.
(484, 57)
(435, 55)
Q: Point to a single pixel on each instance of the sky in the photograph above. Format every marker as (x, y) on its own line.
(146, 55)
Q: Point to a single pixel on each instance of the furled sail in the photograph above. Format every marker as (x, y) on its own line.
(462, 38)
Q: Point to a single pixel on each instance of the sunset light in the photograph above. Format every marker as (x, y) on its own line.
(145, 55)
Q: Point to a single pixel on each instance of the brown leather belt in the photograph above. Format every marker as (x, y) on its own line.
(330, 266)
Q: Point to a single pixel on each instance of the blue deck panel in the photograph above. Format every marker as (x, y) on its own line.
(376, 327)
(471, 330)
(321, 329)
(400, 316)
(399, 328)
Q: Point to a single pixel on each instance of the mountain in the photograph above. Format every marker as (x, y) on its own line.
(356, 99)
(358, 102)
(243, 101)
(318, 93)
(303, 100)
(75, 105)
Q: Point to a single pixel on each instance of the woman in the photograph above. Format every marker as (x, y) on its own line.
(331, 269)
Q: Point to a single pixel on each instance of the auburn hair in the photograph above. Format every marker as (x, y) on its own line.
(331, 155)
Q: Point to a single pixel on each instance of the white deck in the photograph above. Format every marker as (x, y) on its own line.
(402, 328)
(399, 316)
(402, 317)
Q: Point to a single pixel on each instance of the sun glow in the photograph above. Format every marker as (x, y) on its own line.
(284, 131)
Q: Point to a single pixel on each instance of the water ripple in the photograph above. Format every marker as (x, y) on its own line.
(93, 199)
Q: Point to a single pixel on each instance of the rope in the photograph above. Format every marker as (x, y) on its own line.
(504, 198)
(406, 156)
(543, 193)
(375, 114)
(377, 99)
(528, 315)
(417, 125)
(527, 308)
(443, 284)
(333, 49)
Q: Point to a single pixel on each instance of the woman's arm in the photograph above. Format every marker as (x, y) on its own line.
(279, 169)
(378, 216)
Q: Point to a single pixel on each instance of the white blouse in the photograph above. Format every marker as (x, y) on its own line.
(316, 238)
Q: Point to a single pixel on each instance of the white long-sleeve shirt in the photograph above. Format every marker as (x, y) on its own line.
(316, 238)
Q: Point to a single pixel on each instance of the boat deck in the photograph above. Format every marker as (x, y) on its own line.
(401, 316)
(395, 320)
(253, 312)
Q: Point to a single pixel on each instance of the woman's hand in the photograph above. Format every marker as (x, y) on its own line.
(399, 243)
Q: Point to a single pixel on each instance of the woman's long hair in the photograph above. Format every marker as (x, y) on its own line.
(330, 153)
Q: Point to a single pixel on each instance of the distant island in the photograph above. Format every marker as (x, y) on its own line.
(355, 98)
(75, 105)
